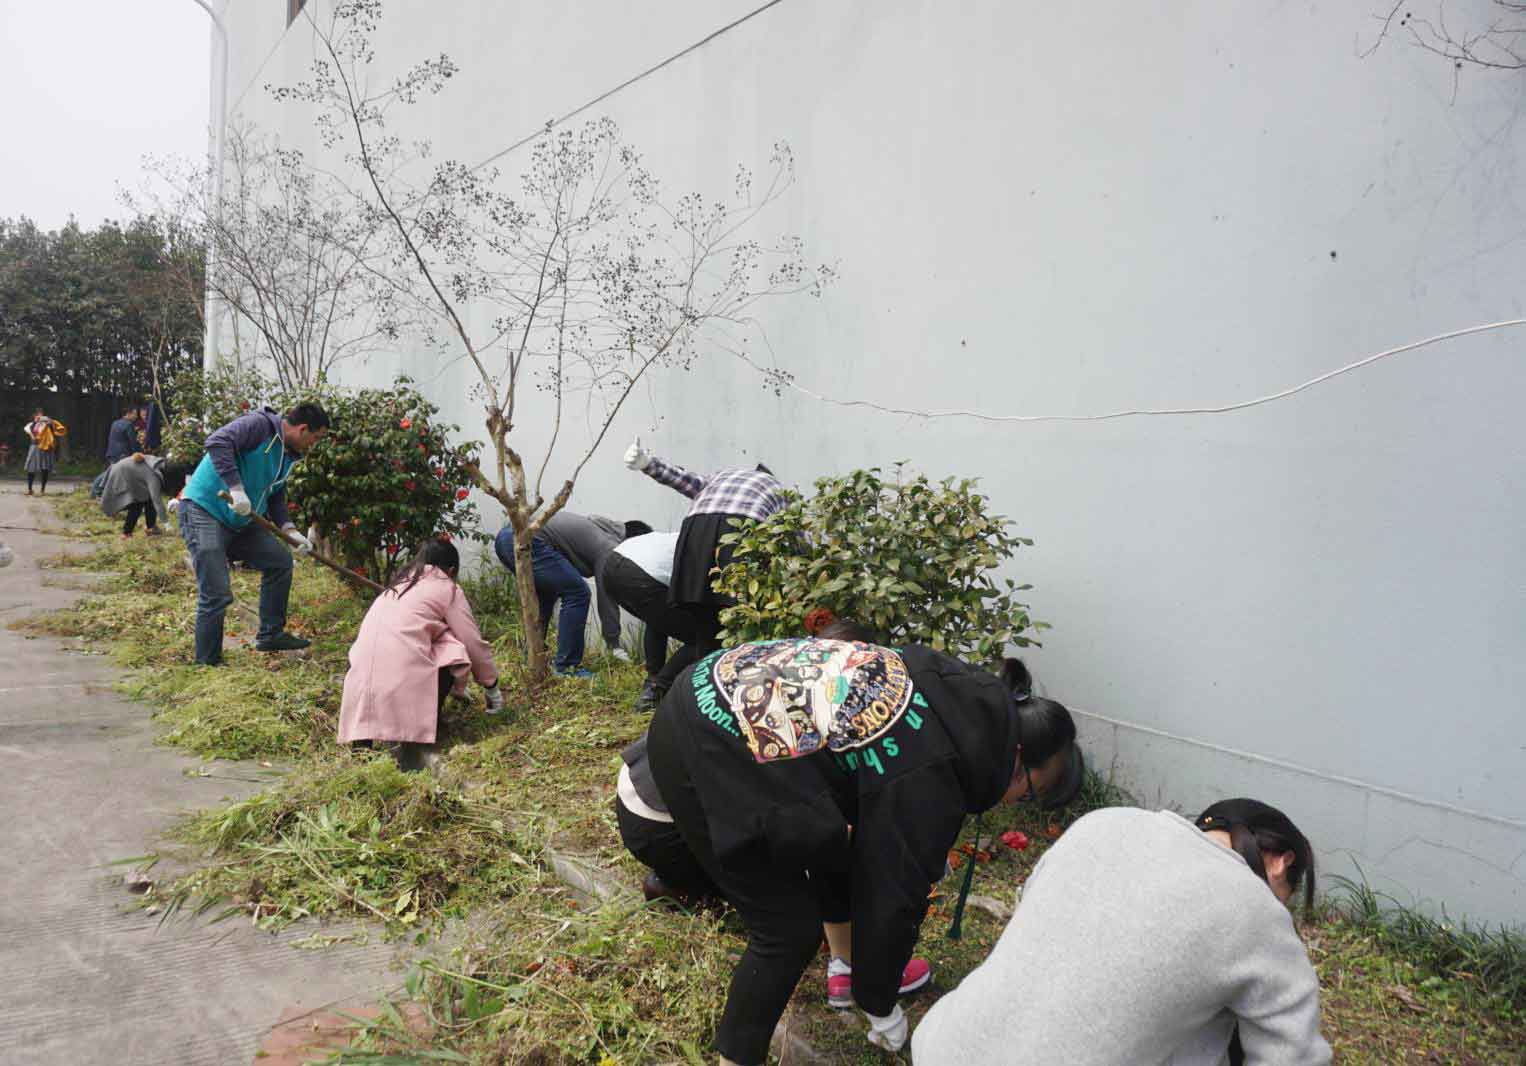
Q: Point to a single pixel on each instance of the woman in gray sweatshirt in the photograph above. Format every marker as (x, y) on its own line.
(1148, 940)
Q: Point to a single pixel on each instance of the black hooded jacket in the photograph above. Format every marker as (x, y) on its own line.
(904, 790)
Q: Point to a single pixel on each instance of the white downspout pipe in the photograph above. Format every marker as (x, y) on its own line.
(211, 345)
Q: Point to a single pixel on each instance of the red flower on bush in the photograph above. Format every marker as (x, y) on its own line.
(423, 450)
(244, 406)
(410, 484)
(462, 494)
(817, 619)
(405, 423)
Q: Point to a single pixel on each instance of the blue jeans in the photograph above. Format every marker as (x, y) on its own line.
(212, 546)
(555, 579)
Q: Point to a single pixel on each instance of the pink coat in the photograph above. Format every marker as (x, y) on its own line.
(392, 689)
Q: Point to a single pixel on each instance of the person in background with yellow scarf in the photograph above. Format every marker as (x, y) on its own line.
(44, 433)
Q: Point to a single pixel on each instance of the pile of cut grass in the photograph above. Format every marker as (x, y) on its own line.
(352, 836)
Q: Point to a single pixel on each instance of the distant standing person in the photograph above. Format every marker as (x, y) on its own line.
(249, 459)
(121, 441)
(418, 643)
(44, 433)
(569, 549)
(721, 501)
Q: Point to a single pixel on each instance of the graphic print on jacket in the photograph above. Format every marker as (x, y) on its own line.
(904, 779)
(792, 697)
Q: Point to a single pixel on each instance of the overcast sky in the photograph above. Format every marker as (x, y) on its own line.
(87, 87)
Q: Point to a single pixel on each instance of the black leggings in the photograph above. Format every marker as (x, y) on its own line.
(782, 909)
(660, 847)
(146, 509)
(43, 475)
(647, 599)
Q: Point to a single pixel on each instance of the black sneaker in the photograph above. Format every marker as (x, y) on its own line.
(282, 642)
(651, 695)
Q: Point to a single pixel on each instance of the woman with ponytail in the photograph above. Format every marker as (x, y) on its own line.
(1147, 939)
(418, 643)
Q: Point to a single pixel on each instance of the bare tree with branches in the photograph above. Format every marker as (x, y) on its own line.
(591, 277)
(292, 255)
(1497, 42)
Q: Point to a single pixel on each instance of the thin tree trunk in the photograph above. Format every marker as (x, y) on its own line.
(529, 611)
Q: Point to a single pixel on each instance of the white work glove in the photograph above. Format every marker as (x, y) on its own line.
(637, 457)
(621, 654)
(494, 696)
(240, 501)
(173, 505)
(7, 556)
(296, 541)
(889, 1032)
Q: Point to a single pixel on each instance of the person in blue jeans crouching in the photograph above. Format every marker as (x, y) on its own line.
(249, 459)
(569, 549)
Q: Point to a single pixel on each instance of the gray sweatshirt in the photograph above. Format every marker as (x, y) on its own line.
(1138, 941)
(132, 482)
(586, 541)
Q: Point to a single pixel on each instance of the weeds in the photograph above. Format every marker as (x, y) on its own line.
(1479, 962)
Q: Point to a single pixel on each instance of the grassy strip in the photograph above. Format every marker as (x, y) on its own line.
(542, 978)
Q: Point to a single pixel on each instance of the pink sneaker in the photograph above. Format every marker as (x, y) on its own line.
(840, 981)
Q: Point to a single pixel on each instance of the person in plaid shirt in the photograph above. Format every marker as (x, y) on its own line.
(720, 501)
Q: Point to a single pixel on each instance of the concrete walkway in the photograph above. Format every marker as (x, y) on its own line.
(81, 785)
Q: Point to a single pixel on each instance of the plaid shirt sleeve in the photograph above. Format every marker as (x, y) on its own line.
(675, 477)
(747, 493)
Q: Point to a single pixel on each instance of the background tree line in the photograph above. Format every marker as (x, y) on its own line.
(113, 311)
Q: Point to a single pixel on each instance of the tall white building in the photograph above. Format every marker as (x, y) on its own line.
(1085, 208)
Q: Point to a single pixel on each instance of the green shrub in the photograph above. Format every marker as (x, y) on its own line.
(385, 478)
(912, 559)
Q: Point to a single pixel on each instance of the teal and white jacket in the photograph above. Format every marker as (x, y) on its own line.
(248, 452)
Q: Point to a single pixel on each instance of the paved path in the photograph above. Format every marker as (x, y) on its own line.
(82, 784)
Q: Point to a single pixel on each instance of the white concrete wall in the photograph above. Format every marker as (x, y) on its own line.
(1080, 208)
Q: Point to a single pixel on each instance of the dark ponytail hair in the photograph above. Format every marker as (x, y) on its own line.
(846, 629)
(1254, 827)
(433, 552)
(1044, 729)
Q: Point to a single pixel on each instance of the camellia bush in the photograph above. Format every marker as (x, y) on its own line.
(386, 477)
(912, 559)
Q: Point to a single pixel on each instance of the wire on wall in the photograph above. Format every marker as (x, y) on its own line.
(552, 123)
(778, 381)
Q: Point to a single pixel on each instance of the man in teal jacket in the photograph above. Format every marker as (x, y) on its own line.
(249, 460)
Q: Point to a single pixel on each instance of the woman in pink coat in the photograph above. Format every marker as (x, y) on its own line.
(417, 644)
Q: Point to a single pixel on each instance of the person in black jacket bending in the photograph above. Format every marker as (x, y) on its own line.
(824, 781)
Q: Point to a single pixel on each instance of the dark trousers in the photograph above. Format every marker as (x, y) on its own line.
(556, 580)
(646, 598)
(43, 474)
(660, 847)
(130, 519)
(782, 909)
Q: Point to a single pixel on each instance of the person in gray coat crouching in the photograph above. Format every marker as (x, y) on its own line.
(1146, 939)
(136, 487)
